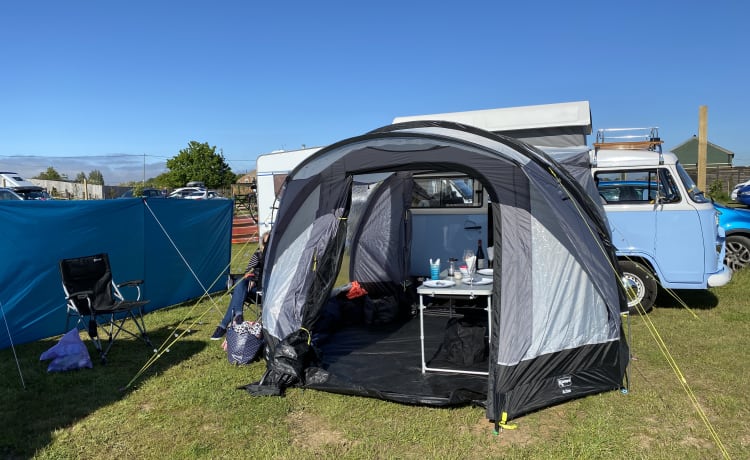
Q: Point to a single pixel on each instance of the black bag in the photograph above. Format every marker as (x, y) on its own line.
(465, 342)
(244, 341)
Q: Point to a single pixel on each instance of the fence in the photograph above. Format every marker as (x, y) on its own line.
(728, 176)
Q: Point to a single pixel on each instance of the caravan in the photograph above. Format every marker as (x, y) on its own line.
(271, 171)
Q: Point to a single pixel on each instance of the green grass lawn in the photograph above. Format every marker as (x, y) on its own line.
(186, 405)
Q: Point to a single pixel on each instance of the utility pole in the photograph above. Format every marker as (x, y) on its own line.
(702, 146)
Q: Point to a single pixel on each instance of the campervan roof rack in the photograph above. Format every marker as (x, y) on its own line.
(629, 139)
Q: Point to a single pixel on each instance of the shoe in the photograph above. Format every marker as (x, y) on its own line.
(218, 333)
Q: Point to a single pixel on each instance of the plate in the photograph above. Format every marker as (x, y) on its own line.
(439, 283)
(479, 282)
(485, 272)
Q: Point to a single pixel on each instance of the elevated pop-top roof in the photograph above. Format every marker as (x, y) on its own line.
(564, 114)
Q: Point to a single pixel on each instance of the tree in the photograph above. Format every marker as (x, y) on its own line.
(199, 162)
(96, 177)
(81, 177)
(50, 174)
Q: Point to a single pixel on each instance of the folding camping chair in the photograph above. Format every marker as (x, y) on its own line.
(91, 292)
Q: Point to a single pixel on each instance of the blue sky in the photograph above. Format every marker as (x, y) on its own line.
(114, 85)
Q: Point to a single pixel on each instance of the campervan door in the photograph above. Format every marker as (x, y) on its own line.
(449, 215)
(271, 171)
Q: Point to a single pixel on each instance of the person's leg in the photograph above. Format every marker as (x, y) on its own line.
(235, 308)
(236, 303)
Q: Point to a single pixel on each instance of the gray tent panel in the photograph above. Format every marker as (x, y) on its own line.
(378, 260)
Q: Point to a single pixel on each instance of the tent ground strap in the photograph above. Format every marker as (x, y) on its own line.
(503, 424)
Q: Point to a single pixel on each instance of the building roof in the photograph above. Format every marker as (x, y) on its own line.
(687, 152)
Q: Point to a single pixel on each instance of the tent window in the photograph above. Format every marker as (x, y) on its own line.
(446, 192)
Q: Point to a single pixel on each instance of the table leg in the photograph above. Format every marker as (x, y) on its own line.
(421, 329)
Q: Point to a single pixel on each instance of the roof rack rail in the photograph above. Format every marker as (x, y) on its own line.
(629, 139)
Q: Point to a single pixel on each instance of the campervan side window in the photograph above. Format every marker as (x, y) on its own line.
(637, 186)
(445, 192)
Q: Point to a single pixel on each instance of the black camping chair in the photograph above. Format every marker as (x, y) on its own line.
(91, 292)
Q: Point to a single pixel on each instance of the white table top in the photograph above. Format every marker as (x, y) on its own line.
(460, 288)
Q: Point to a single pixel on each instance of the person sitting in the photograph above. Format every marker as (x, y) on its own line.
(248, 285)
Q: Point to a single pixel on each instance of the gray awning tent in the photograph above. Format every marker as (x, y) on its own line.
(556, 325)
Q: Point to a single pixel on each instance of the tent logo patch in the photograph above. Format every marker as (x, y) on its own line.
(565, 383)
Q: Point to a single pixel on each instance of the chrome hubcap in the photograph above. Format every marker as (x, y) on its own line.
(633, 288)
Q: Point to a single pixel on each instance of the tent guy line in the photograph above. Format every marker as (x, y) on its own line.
(12, 346)
(182, 257)
(174, 338)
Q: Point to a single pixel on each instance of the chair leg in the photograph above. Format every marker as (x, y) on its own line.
(94, 336)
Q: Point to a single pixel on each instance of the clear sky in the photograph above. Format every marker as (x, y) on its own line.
(113, 85)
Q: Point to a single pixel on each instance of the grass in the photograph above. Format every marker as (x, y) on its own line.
(187, 406)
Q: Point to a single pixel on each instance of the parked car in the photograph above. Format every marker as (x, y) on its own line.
(204, 195)
(742, 195)
(736, 189)
(736, 225)
(7, 194)
(32, 192)
(145, 193)
(182, 192)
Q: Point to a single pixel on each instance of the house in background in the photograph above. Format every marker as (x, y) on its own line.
(687, 152)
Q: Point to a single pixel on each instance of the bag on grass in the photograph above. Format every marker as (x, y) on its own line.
(68, 354)
(244, 341)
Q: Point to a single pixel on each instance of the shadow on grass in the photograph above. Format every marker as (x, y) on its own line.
(51, 401)
(696, 299)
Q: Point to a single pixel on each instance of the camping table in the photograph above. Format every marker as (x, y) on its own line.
(461, 289)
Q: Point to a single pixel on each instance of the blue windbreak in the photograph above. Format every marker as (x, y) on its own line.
(37, 234)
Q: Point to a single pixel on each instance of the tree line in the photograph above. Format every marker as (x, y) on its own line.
(197, 162)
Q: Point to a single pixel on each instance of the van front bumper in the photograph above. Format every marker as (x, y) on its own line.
(721, 277)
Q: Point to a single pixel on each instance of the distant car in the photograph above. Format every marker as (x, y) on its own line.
(742, 195)
(145, 193)
(733, 194)
(32, 193)
(7, 194)
(204, 195)
(183, 192)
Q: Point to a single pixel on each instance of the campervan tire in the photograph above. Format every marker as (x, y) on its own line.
(640, 285)
(737, 252)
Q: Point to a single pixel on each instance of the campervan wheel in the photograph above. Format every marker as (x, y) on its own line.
(640, 286)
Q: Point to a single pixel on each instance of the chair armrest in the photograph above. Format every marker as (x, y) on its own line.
(131, 283)
(80, 295)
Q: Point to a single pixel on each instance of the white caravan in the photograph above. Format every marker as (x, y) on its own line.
(271, 171)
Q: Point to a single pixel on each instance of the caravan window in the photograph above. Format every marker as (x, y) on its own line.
(446, 192)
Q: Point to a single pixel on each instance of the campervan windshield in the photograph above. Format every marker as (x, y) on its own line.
(693, 191)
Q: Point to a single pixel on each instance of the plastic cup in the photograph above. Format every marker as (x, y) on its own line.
(434, 271)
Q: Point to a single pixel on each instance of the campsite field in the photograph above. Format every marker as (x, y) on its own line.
(186, 404)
